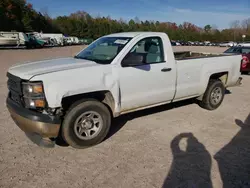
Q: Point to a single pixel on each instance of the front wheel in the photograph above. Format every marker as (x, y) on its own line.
(86, 123)
(213, 95)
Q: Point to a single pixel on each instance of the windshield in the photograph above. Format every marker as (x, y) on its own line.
(104, 50)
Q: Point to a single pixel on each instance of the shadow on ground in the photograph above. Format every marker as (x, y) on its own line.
(190, 167)
(119, 122)
(234, 158)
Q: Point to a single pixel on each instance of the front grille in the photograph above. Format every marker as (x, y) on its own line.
(15, 90)
(14, 83)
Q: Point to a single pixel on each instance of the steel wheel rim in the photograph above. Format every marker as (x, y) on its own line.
(88, 125)
(216, 95)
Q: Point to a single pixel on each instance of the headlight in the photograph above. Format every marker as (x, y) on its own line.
(33, 89)
(33, 94)
(34, 103)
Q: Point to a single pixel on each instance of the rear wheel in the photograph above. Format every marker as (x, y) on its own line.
(86, 123)
(213, 96)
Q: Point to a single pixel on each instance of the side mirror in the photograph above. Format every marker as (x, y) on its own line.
(132, 60)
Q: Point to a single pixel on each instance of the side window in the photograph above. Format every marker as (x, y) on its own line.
(150, 48)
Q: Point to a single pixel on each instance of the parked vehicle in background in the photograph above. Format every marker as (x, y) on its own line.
(246, 44)
(68, 41)
(74, 40)
(16, 39)
(207, 43)
(201, 44)
(57, 38)
(228, 44)
(245, 52)
(173, 43)
(71, 40)
(184, 43)
(53, 42)
(41, 37)
(191, 43)
(86, 41)
(196, 43)
(177, 43)
(117, 74)
(34, 42)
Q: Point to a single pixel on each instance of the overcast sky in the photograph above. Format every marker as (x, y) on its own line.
(199, 12)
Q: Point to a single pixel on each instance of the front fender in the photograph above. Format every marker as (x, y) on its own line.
(58, 85)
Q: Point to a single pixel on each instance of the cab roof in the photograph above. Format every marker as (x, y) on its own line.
(133, 34)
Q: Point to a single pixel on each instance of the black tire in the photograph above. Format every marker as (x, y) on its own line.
(75, 111)
(207, 102)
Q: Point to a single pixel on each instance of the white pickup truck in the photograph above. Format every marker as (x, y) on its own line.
(77, 97)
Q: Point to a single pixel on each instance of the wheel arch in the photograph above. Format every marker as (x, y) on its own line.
(222, 76)
(103, 96)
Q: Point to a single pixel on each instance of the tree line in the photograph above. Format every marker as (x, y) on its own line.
(19, 15)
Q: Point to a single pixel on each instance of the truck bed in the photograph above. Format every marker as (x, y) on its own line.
(194, 55)
(192, 71)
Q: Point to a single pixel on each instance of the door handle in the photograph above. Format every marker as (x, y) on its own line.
(166, 69)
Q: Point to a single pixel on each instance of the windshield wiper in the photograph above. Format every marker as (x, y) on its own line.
(94, 60)
(77, 57)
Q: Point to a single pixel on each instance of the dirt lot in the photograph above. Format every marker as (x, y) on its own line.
(178, 145)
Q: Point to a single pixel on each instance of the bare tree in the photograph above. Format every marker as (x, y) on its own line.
(246, 24)
(235, 27)
(235, 24)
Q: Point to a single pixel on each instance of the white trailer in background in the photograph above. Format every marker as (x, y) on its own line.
(57, 36)
(13, 39)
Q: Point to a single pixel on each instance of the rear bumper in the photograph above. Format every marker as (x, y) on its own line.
(33, 122)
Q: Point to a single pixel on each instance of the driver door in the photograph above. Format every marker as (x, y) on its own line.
(149, 81)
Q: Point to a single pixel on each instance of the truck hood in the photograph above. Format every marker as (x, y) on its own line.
(28, 70)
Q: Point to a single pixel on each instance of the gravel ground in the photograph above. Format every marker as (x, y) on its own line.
(178, 145)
